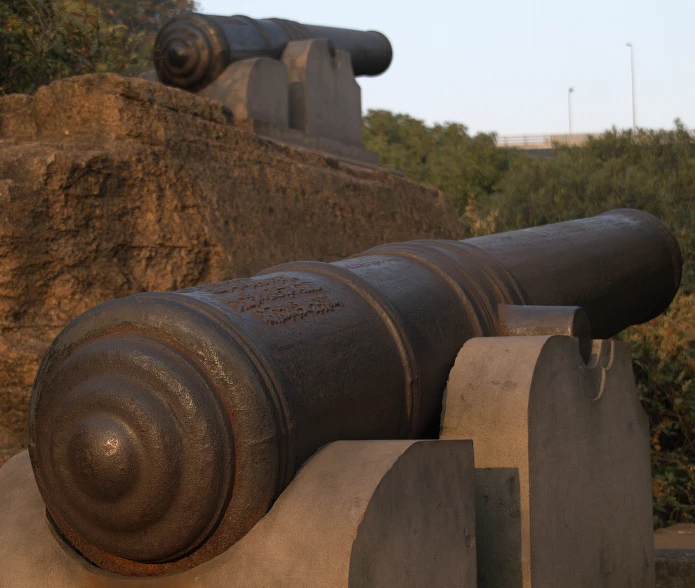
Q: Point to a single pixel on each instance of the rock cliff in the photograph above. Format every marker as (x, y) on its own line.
(111, 186)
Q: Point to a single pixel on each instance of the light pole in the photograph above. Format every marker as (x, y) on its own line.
(569, 107)
(632, 75)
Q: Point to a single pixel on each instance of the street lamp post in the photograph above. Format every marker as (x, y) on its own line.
(632, 75)
(569, 108)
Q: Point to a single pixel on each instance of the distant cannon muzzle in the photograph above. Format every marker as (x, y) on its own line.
(192, 50)
(163, 426)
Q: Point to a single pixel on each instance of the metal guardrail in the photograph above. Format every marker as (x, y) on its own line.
(542, 141)
(547, 141)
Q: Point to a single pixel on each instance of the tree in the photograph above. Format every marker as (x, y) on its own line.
(147, 16)
(444, 156)
(45, 40)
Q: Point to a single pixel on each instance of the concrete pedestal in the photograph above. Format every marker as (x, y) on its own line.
(253, 89)
(325, 99)
(359, 514)
(309, 99)
(563, 477)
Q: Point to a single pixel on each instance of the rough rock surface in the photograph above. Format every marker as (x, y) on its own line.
(111, 186)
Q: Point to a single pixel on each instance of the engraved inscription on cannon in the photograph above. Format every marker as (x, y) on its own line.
(275, 299)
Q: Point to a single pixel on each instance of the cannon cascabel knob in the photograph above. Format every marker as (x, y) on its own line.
(130, 443)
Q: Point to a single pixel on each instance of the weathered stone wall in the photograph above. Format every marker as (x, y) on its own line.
(111, 186)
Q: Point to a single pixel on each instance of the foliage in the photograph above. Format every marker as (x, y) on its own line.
(664, 361)
(445, 156)
(45, 40)
(494, 190)
(146, 16)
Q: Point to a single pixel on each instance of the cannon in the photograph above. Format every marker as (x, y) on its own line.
(282, 80)
(192, 50)
(163, 426)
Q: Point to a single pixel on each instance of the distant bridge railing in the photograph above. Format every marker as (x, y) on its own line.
(541, 141)
(547, 141)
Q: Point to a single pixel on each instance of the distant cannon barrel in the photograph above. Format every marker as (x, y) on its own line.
(163, 426)
(192, 50)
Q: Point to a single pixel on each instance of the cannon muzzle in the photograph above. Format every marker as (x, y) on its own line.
(192, 50)
(164, 425)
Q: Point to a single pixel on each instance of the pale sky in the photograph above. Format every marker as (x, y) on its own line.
(506, 65)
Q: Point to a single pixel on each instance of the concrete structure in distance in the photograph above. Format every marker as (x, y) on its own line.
(542, 142)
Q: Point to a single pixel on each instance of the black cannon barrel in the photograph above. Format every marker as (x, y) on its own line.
(604, 277)
(192, 50)
(162, 426)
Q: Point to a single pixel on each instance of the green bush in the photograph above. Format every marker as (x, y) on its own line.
(45, 40)
(146, 16)
(445, 156)
(664, 362)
